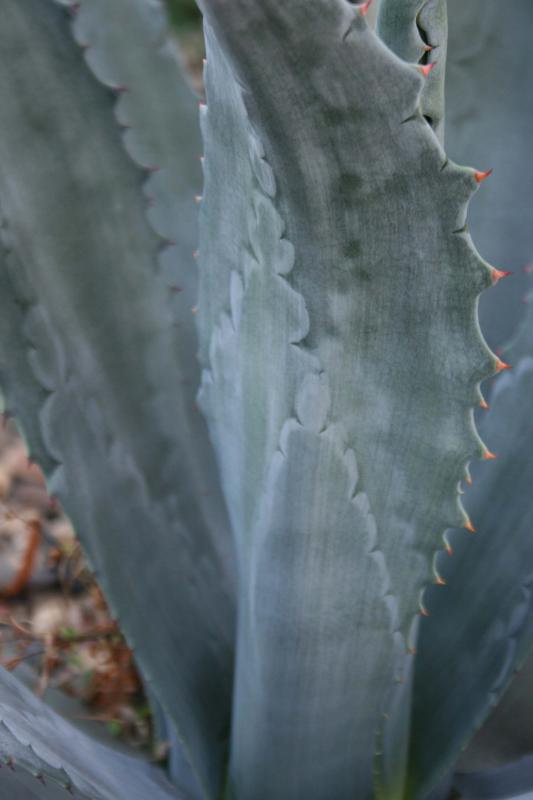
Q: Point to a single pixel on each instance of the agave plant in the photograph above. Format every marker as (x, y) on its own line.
(254, 390)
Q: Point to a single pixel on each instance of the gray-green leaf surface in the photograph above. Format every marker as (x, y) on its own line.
(481, 623)
(490, 125)
(417, 30)
(40, 747)
(136, 474)
(339, 253)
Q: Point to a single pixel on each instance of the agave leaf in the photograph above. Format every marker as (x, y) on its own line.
(339, 254)
(127, 47)
(510, 782)
(416, 30)
(507, 735)
(37, 742)
(481, 623)
(134, 473)
(488, 124)
(25, 391)
(21, 785)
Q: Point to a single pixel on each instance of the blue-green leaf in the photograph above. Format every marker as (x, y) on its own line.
(489, 125)
(417, 30)
(44, 756)
(133, 465)
(338, 269)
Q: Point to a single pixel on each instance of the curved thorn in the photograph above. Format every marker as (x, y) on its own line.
(365, 7)
(498, 274)
(482, 176)
(425, 69)
(501, 365)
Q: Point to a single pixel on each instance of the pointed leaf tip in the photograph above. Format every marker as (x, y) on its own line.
(482, 176)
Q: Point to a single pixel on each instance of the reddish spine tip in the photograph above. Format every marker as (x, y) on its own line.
(364, 8)
(498, 274)
(482, 176)
(440, 581)
(425, 69)
(488, 456)
(424, 611)
(197, 198)
(468, 525)
(449, 549)
(484, 405)
(501, 365)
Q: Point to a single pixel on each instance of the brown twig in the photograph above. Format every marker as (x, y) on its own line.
(22, 577)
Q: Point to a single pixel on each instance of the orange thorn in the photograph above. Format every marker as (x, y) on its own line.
(197, 198)
(488, 456)
(501, 365)
(484, 405)
(449, 549)
(427, 48)
(482, 176)
(468, 525)
(364, 8)
(425, 69)
(498, 274)
(424, 611)
(440, 581)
